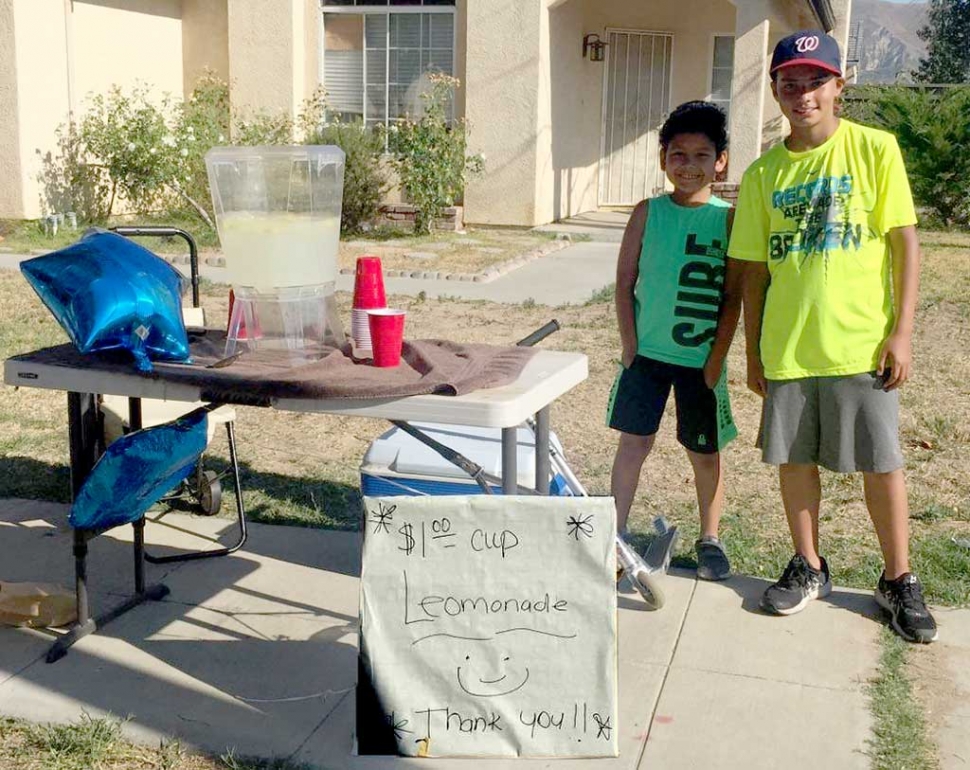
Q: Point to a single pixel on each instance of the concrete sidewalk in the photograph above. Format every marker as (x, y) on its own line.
(257, 652)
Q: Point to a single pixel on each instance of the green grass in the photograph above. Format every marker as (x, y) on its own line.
(306, 474)
(233, 762)
(602, 296)
(900, 739)
(98, 744)
(22, 236)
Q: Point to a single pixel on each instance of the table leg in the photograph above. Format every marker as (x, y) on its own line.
(543, 458)
(84, 436)
(510, 449)
(240, 515)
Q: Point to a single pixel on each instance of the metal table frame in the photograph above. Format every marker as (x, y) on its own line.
(548, 375)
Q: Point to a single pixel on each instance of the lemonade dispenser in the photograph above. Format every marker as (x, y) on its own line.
(278, 216)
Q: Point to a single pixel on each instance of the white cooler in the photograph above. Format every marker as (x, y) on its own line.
(398, 464)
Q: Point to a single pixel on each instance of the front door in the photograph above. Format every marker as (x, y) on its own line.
(636, 98)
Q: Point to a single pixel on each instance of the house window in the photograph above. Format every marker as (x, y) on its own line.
(377, 55)
(722, 71)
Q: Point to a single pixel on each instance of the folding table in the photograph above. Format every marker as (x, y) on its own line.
(545, 377)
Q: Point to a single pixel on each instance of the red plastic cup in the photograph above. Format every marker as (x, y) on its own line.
(369, 284)
(386, 335)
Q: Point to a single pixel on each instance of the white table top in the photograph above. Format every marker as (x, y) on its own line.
(548, 375)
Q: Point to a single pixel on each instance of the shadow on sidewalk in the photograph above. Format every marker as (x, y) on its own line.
(252, 651)
(751, 589)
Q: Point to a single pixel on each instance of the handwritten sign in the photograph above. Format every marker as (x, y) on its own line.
(488, 627)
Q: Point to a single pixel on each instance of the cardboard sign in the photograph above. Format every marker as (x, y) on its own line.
(488, 627)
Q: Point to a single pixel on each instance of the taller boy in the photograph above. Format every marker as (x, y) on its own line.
(826, 220)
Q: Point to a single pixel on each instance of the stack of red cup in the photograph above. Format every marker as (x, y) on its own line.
(368, 295)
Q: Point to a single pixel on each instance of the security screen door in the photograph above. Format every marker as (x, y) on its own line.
(636, 97)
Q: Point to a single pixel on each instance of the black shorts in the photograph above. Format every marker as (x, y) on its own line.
(640, 394)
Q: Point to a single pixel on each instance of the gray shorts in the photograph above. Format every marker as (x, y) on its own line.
(845, 424)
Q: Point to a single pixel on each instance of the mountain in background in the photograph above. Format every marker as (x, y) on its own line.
(886, 44)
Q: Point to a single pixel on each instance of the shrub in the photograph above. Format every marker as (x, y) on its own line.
(933, 132)
(126, 135)
(365, 181)
(201, 124)
(429, 154)
(152, 153)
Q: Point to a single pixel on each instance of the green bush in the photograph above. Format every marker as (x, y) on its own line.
(152, 153)
(201, 124)
(128, 137)
(933, 131)
(429, 154)
(365, 181)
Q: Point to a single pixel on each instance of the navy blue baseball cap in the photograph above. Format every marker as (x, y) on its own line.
(809, 46)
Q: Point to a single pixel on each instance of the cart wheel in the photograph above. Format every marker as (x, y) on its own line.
(210, 493)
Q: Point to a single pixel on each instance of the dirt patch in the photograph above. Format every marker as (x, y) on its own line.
(933, 683)
(315, 449)
(471, 252)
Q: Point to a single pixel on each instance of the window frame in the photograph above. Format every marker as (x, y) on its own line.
(712, 68)
(385, 10)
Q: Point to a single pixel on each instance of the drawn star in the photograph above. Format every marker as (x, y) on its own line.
(581, 525)
(603, 726)
(383, 519)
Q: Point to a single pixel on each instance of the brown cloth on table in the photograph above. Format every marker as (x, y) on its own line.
(427, 367)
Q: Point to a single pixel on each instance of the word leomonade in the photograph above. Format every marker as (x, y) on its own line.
(431, 607)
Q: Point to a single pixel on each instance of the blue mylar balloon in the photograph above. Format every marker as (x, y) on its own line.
(137, 470)
(110, 293)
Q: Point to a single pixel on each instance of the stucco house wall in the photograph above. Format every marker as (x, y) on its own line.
(534, 103)
(205, 40)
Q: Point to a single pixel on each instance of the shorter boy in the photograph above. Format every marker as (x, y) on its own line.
(677, 312)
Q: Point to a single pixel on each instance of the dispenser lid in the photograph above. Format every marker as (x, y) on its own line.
(315, 153)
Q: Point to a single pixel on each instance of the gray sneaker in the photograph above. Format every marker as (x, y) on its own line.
(712, 561)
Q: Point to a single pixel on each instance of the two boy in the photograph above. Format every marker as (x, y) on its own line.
(826, 229)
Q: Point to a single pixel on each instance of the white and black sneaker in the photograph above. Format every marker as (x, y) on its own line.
(902, 598)
(798, 585)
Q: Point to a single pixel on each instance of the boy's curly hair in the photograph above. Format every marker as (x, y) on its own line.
(696, 117)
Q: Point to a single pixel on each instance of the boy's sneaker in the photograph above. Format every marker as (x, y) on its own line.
(902, 598)
(712, 561)
(798, 585)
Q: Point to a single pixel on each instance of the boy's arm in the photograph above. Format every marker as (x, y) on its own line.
(627, 271)
(895, 357)
(727, 321)
(755, 286)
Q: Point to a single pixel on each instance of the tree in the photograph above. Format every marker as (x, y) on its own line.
(947, 34)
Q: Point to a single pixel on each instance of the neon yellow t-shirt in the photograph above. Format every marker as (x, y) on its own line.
(821, 219)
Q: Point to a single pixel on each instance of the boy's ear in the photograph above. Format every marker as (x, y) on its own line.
(663, 158)
(721, 163)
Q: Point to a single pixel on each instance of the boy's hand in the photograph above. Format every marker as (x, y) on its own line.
(627, 356)
(895, 360)
(712, 371)
(756, 377)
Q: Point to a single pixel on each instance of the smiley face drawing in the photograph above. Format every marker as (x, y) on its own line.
(501, 680)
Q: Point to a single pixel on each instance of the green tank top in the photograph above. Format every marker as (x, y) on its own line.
(681, 282)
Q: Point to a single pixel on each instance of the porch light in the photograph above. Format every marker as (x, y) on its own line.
(593, 46)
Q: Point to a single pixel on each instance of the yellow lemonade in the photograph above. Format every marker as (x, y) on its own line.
(279, 249)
